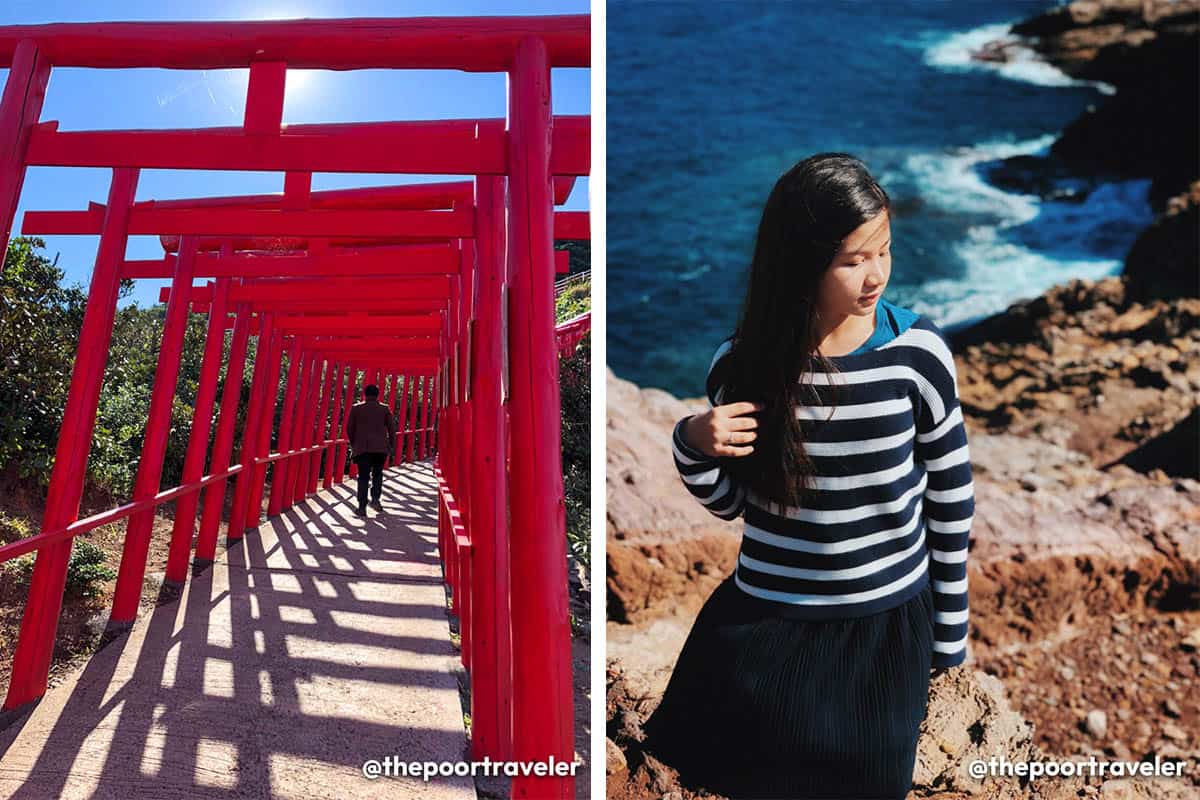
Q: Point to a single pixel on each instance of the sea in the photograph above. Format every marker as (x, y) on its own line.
(709, 102)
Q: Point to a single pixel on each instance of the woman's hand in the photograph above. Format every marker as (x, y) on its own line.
(727, 430)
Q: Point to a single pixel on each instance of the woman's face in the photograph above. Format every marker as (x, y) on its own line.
(861, 267)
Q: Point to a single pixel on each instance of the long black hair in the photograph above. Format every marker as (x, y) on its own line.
(812, 209)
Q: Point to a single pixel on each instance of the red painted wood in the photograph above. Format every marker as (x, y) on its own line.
(264, 97)
(222, 449)
(412, 415)
(491, 680)
(262, 444)
(390, 325)
(35, 642)
(297, 189)
(310, 438)
(300, 432)
(462, 546)
(426, 386)
(412, 196)
(275, 503)
(339, 467)
(569, 334)
(335, 416)
(451, 147)
(396, 225)
(323, 431)
(296, 438)
(313, 432)
(477, 44)
(398, 260)
(563, 186)
(395, 348)
(435, 287)
(572, 225)
(20, 107)
(148, 481)
(339, 306)
(543, 702)
(184, 526)
(386, 399)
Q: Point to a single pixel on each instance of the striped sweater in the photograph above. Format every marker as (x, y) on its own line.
(895, 495)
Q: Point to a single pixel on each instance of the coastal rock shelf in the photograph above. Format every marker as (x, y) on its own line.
(1084, 368)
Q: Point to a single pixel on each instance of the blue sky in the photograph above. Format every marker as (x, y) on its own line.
(150, 98)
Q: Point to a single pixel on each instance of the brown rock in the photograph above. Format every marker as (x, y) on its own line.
(1132, 321)
(614, 758)
(1174, 732)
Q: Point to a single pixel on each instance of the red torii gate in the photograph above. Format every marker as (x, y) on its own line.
(503, 255)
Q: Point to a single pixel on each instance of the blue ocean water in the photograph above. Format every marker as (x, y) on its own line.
(708, 103)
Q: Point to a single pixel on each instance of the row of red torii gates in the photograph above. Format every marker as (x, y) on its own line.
(442, 292)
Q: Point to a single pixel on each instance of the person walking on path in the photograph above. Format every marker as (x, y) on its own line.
(372, 434)
(835, 430)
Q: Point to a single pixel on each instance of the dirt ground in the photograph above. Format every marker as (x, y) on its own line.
(81, 626)
(1141, 669)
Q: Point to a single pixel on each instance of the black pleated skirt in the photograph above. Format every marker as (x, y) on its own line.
(761, 705)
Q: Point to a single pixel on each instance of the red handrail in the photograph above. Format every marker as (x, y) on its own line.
(567, 335)
(37, 541)
(289, 453)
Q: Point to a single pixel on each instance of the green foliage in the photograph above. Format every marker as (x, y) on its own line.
(575, 398)
(575, 299)
(87, 571)
(18, 571)
(13, 528)
(39, 326)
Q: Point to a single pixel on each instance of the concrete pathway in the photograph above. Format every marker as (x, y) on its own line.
(318, 642)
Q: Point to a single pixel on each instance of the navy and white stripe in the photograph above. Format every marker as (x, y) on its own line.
(895, 497)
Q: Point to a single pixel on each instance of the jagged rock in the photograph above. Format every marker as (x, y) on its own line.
(1149, 126)
(1118, 386)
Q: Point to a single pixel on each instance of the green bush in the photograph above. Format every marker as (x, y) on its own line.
(574, 376)
(87, 571)
(39, 328)
(575, 299)
(13, 528)
(17, 571)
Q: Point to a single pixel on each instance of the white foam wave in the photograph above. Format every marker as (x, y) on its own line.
(998, 274)
(998, 270)
(951, 181)
(953, 52)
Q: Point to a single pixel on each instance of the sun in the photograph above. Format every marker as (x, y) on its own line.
(299, 81)
(300, 84)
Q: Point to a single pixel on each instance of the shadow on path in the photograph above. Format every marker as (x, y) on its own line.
(315, 643)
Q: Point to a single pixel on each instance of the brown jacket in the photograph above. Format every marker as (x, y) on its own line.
(371, 429)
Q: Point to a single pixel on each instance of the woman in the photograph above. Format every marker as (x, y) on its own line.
(835, 430)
